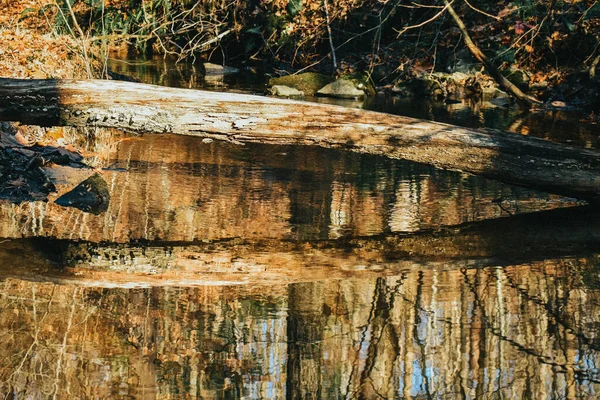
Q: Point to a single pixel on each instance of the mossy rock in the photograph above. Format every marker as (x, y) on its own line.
(308, 82)
(350, 86)
(362, 81)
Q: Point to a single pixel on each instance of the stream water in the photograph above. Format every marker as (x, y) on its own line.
(224, 271)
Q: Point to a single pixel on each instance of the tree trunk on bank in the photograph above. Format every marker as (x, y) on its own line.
(140, 108)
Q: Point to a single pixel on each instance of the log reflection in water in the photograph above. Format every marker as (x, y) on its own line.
(519, 239)
(180, 189)
(521, 331)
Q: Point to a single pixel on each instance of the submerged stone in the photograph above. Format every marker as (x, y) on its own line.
(308, 82)
(90, 196)
(122, 77)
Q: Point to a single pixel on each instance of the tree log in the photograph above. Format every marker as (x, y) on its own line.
(240, 118)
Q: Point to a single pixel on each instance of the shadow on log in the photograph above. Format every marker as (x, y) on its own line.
(238, 118)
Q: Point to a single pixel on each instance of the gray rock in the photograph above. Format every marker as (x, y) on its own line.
(7, 127)
(464, 62)
(285, 91)
(559, 104)
(217, 70)
(465, 67)
(454, 86)
(500, 101)
(458, 77)
(539, 86)
(343, 89)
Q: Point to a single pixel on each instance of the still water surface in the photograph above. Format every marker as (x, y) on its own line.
(223, 271)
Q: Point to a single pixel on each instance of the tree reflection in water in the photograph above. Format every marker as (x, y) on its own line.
(521, 331)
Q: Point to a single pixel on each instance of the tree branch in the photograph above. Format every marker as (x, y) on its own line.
(523, 99)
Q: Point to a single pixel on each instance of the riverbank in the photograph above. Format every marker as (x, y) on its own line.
(40, 40)
(31, 156)
(548, 50)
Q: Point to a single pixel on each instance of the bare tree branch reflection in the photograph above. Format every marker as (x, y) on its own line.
(517, 331)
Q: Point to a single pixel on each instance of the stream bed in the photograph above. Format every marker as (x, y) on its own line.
(222, 271)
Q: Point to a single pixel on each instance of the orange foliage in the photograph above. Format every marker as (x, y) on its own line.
(28, 49)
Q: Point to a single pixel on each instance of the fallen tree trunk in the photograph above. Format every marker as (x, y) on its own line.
(239, 118)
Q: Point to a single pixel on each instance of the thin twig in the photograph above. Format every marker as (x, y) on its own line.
(82, 38)
(593, 66)
(333, 58)
(436, 16)
(483, 12)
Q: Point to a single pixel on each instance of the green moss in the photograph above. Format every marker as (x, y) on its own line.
(309, 82)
